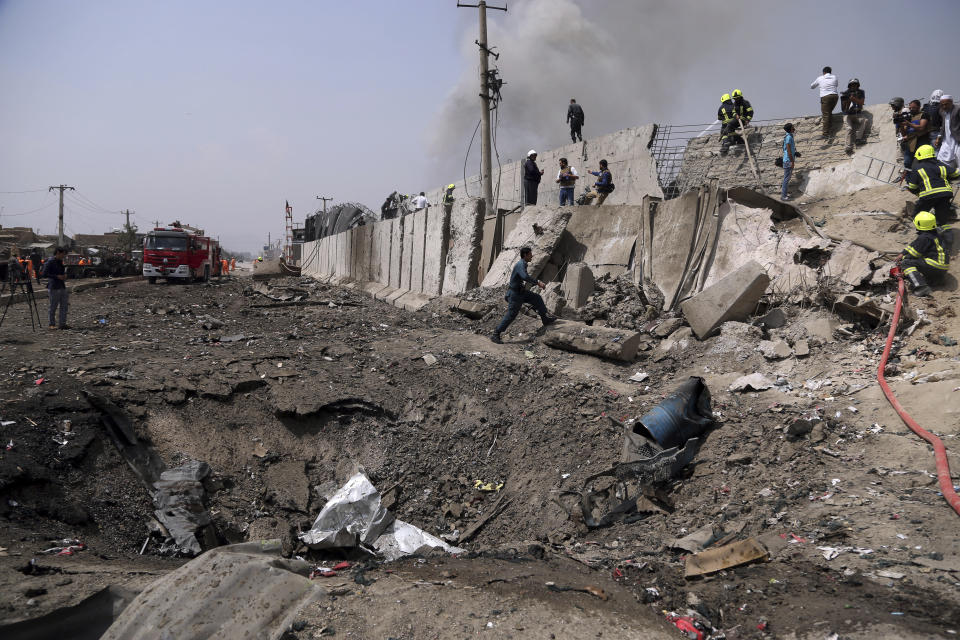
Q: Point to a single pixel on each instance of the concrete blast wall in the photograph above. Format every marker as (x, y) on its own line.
(416, 257)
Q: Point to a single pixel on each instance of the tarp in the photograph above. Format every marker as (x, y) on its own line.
(239, 591)
(355, 517)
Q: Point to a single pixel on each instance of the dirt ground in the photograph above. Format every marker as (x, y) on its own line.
(326, 382)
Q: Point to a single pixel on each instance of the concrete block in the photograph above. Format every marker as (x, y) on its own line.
(436, 239)
(384, 293)
(615, 344)
(578, 284)
(850, 263)
(473, 310)
(418, 249)
(412, 301)
(373, 288)
(360, 252)
(539, 228)
(732, 298)
(396, 252)
(392, 297)
(385, 238)
(461, 268)
(406, 258)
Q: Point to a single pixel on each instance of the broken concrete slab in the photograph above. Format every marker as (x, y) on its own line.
(801, 348)
(540, 229)
(553, 299)
(615, 344)
(850, 263)
(678, 340)
(384, 293)
(603, 238)
(412, 301)
(774, 319)
(461, 271)
(732, 298)
(668, 326)
(752, 382)
(578, 284)
(373, 288)
(473, 310)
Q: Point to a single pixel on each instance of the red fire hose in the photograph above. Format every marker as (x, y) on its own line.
(943, 466)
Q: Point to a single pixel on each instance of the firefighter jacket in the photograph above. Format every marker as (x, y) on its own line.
(931, 178)
(726, 112)
(927, 247)
(744, 110)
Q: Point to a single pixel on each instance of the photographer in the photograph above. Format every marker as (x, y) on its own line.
(851, 102)
(912, 131)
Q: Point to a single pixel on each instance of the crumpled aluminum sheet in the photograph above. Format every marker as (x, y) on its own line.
(354, 516)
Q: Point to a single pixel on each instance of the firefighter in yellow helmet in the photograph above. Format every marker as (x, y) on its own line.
(727, 115)
(930, 180)
(742, 106)
(925, 258)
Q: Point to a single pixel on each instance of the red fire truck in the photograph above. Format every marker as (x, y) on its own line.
(179, 251)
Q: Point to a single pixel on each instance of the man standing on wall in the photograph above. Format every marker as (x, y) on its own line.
(851, 103)
(827, 83)
(517, 296)
(576, 119)
(531, 178)
(567, 179)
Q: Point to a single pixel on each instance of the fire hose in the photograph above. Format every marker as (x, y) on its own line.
(940, 452)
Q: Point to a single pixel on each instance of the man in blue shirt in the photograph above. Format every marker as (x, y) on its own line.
(789, 151)
(517, 296)
(56, 274)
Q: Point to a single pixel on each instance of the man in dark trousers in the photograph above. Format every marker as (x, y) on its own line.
(926, 258)
(931, 181)
(37, 261)
(531, 178)
(576, 119)
(56, 274)
(517, 296)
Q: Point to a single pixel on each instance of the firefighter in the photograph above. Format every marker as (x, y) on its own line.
(233, 264)
(224, 267)
(448, 195)
(925, 258)
(742, 107)
(930, 180)
(727, 115)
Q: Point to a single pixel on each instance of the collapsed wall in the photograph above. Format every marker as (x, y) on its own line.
(823, 170)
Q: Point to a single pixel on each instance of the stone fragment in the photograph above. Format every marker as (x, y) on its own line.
(803, 425)
(578, 284)
(801, 348)
(616, 344)
(752, 382)
(774, 319)
(667, 327)
(774, 349)
(732, 298)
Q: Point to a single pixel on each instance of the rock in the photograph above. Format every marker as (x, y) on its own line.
(803, 425)
(740, 458)
(678, 340)
(430, 359)
(667, 327)
(732, 298)
(752, 382)
(554, 299)
(821, 328)
(578, 284)
(774, 349)
(801, 348)
(774, 319)
(473, 310)
(850, 263)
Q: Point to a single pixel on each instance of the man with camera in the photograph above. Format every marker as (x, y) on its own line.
(851, 103)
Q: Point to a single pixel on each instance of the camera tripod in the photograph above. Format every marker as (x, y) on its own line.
(19, 283)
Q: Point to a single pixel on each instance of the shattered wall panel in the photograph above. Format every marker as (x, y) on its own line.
(396, 252)
(435, 249)
(538, 227)
(602, 237)
(672, 234)
(418, 248)
(463, 257)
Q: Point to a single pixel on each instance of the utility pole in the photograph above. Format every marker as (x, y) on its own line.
(61, 187)
(128, 231)
(324, 203)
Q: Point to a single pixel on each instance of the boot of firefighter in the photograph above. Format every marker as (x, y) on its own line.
(916, 281)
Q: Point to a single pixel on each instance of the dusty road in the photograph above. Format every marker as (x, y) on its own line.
(284, 399)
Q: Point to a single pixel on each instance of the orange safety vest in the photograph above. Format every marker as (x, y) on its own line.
(233, 264)
(224, 266)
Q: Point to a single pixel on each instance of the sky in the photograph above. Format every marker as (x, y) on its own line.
(216, 112)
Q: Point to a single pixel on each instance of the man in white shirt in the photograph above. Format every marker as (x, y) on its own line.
(949, 153)
(827, 83)
(420, 202)
(567, 179)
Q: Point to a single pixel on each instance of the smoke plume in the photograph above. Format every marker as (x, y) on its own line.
(624, 62)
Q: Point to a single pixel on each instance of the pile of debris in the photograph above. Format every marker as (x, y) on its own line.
(618, 302)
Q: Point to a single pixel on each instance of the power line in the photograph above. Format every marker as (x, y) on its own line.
(83, 205)
(94, 204)
(26, 213)
(27, 191)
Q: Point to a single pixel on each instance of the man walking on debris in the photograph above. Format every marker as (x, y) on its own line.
(576, 119)
(851, 103)
(931, 111)
(949, 132)
(56, 274)
(531, 178)
(567, 179)
(789, 155)
(517, 296)
(827, 83)
(928, 260)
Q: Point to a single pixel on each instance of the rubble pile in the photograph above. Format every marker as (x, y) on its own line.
(618, 302)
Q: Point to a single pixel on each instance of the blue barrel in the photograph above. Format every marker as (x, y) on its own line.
(682, 415)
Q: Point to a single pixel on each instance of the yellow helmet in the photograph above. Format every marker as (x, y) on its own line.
(724, 97)
(451, 186)
(924, 152)
(737, 93)
(925, 221)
